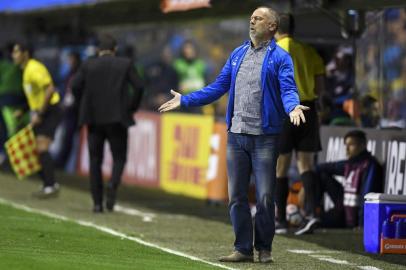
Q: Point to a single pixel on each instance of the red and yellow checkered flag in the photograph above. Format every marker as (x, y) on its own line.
(22, 154)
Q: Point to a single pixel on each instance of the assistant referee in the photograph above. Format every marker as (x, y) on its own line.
(43, 102)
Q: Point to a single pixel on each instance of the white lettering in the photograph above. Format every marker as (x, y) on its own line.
(213, 167)
(383, 151)
(142, 151)
(335, 149)
(348, 183)
(391, 175)
(328, 202)
(371, 146)
(212, 170)
(399, 174)
(394, 246)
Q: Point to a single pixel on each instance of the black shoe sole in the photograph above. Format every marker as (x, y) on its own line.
(309, 228)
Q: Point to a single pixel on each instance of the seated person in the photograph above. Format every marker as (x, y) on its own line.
(362, 174)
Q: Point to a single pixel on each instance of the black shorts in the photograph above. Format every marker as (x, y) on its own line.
(303, 138)
(49, 121)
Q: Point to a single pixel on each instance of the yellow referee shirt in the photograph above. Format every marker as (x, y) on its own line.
(36, 79)
(307, 64)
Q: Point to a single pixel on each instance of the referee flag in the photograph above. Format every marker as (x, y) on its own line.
(22, 154)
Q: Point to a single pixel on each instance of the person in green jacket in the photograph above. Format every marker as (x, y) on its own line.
(11, 98)
(191, 72)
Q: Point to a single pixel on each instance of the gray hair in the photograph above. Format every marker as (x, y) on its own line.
(273, 15)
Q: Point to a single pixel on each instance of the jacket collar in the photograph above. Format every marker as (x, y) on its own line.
(271, 45)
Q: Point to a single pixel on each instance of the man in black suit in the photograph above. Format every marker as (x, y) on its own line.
(106, 106)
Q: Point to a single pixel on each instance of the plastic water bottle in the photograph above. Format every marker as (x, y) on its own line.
(388, 229)
(400, 229)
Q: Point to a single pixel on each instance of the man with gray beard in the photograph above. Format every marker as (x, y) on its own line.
(262, 92)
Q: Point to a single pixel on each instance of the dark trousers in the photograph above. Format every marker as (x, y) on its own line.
(335, 217)
(248, 154)
(69, 122)
(116, 135)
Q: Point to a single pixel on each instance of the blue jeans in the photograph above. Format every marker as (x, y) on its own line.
(255, 154)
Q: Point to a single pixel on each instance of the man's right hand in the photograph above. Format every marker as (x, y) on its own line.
(171, 104)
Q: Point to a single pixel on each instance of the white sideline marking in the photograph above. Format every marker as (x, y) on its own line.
(368, 268)
(330, 259)
(318, 254)
(306, 251)
(112, 232)
(146, 217)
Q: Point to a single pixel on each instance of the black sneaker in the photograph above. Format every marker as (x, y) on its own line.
(47, 192)
(281, 227)
(307, 226)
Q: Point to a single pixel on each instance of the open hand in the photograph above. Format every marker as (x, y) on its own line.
(297, 114)
(171, 104)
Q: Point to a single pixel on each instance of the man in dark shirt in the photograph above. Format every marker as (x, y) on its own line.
(107, 107)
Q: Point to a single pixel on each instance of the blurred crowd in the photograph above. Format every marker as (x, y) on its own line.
(381, 70)
(366, 91)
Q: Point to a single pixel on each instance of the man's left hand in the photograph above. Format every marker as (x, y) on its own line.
(297, 114)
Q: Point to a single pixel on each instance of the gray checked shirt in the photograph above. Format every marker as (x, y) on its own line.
(248, 93)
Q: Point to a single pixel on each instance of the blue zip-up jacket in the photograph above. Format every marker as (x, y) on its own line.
(279, 89)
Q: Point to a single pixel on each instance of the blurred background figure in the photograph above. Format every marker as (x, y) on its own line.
(396, 110)
(340, 76)
(369, 112)
(70, 108)
(107, 107)
(12, 98)
(303, 140)
(191, 72)
(130, 52)
(333, 115)
(159, 77)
